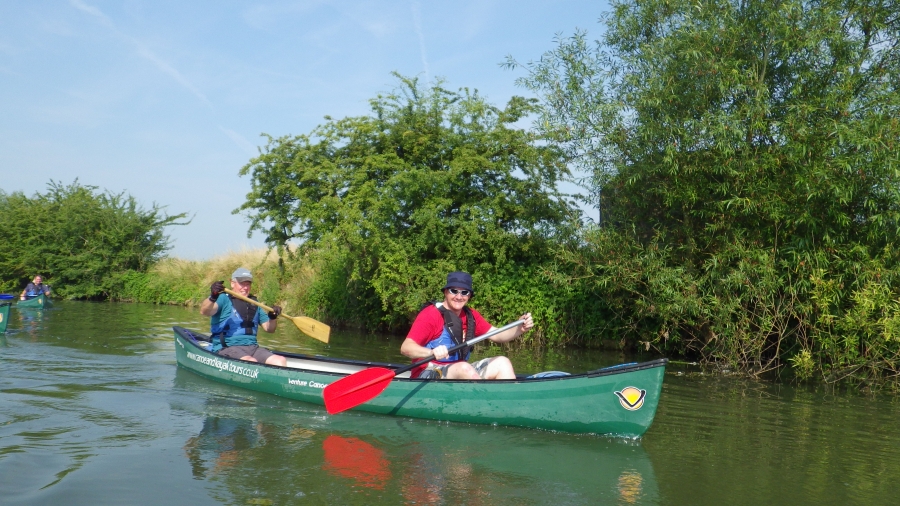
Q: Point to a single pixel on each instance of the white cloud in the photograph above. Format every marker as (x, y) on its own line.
(240, 141)
(417, 23)
(171, 71)
(143, 51)
(93, 11)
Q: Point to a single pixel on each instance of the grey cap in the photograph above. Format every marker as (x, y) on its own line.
(242, 274)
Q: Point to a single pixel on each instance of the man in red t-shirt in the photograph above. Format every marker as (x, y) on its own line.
(440, 326)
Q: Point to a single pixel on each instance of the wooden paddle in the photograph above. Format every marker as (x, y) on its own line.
(313, 328)
(367, 384)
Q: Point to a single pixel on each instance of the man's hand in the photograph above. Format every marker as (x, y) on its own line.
(215, 289)
(273, 314)
(529, 322)
(440, 352)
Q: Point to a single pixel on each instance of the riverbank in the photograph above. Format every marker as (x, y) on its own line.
(306, 285)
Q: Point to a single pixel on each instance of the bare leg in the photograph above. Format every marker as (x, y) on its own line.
(277, 360)
(462, 370)
(500, 368)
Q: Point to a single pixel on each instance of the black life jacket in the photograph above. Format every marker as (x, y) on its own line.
(453, 325)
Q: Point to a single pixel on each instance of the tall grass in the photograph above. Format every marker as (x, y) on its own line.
(186, 282)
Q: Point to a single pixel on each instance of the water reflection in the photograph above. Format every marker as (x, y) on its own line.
(246, 440)
(357, 460)
(29, 321)
(220, 443)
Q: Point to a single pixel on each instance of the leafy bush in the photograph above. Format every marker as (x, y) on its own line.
(744, 155)
(83, 242)
(432, 181)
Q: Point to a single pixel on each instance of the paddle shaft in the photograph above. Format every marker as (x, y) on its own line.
(310, 327)
(362, 386)
(460, 346)
(431, 357)
(251, 301)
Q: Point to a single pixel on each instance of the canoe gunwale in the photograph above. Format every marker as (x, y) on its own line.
(192, 336)
(618, 401)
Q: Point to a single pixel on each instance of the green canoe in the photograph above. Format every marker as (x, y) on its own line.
(40, 302)
(619, 400)
(4, 315)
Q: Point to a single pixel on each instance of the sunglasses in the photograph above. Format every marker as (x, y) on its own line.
(456, 291)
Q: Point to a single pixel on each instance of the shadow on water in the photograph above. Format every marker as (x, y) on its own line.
(249, 442)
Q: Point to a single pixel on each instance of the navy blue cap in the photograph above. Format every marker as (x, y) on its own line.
(459, 279)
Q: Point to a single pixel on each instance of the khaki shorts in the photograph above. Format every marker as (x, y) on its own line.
(253, 350)
(439, 371)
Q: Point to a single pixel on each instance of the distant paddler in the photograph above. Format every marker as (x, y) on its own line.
(35, 288)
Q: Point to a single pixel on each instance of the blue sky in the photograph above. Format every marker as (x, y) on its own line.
(166, 100)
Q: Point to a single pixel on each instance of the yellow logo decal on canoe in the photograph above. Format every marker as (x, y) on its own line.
(1, 317)
(631, 398)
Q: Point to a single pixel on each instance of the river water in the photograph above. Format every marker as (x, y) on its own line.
(94, 410)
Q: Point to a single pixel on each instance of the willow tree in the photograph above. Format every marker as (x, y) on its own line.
(752, 145)
(432, 180)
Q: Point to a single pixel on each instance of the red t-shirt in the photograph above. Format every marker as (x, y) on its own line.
(430, 323)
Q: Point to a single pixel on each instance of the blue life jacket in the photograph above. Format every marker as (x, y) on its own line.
(32, 290)
(244, 320)
(452, 334)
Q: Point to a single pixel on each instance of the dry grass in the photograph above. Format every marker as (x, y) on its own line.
(204, 272)
(286, 285)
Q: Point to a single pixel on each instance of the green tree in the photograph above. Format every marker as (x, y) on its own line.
(742, 140)
(82, 241)
(431, 181)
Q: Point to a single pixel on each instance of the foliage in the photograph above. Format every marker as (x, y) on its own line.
(431, 181)
(747, 154)
(82, 241)
(153, 288)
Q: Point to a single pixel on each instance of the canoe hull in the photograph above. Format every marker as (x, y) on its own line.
(39, 302)
(4, 315)
(619, 401)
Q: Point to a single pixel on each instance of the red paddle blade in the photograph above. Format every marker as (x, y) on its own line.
(356, 389)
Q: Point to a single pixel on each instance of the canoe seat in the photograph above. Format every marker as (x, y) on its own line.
(548, 374)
